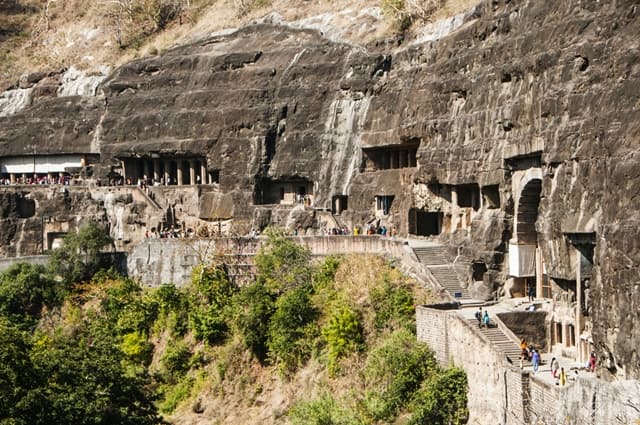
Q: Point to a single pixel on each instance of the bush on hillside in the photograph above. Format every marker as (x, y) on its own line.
(404, 12)
(211, 293)
(254, 307)
(343, 334)
(443, 400)
(282, 264)
(25, 289)
(393, 304)
(394, 370)
(292, 330)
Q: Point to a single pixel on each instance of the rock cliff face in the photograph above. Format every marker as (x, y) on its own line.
(520, 128)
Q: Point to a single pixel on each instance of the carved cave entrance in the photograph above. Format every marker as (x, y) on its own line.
(425, 223)
(156, 170)
(339, 203)
(525, 261)
(283, 191)
(390, 157)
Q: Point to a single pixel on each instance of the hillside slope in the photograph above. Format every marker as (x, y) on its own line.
(49, 35)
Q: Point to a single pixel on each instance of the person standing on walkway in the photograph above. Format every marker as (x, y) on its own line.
(563, 377)
(531, 293)
(535, 359)
(592, 361)
(554, 367)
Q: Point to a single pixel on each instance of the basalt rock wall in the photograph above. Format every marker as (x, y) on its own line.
(522, 92)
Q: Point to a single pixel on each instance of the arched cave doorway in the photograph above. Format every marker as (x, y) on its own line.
(527, 213)
(524, 255)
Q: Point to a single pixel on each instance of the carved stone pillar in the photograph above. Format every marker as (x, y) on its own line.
(192, 171)
(203, 173)
(156, 170)
(179, 172)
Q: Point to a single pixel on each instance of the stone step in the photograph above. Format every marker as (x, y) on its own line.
(431, 255)
(448, 278)
(501, 342)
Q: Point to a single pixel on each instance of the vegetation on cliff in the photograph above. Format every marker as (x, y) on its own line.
(50, 35)
(106, 350)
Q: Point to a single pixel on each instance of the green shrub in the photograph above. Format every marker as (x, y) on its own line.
(343, 334)
(173, 395)
(393, 305)
(136, 346)
(292, 329)
(394, 371)
(176, 359)
(442, 401)
(254, 307)
(210, 298)
(208, 324)
(325, 273)
(25, 289)
(398, 12)
(173, 308)
(282, 264)
(323, 410)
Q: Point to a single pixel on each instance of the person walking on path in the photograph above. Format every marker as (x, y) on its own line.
(535, 359)
(485, 319)
(531, 293)
(479, 317)
(554, 367)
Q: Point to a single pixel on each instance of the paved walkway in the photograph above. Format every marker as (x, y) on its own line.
(573, 370)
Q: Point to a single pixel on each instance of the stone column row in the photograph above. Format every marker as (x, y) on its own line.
(160, 170)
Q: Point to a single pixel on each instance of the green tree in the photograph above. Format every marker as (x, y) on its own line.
(292, 329)
(80, 256)
(442, 401)
(254, 307)
(282, 264)
(86, 382)
(25, 289)
(343, 334)
(394, 371)
(16, 373)
(210, 299)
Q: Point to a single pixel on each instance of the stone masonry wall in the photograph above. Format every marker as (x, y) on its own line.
(500, 393)
(157, 261)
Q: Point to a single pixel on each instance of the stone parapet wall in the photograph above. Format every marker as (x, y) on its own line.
(158, 261)
(5, 263)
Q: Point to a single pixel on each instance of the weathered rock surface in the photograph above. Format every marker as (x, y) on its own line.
(523, 98)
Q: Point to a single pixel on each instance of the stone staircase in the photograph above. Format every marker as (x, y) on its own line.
(434, 258)
(448, 278)
(432, 255)
(501, 342)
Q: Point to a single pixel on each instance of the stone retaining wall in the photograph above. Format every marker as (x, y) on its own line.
(499, 393)
(5, 263)
(157, 261)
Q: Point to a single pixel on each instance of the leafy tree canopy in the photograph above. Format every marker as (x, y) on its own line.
(80, 257)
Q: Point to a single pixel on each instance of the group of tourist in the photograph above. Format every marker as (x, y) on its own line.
(358, 231)
(483, 318)
(62, 180)
(558, 373)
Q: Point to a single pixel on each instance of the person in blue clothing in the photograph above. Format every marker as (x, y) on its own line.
(485, 319)
(535, 360)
